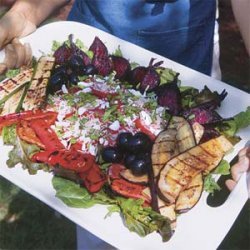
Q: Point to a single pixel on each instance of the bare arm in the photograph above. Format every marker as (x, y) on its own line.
(36, 11)
(241, 9)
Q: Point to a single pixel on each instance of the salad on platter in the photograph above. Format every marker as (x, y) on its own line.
(117, 133)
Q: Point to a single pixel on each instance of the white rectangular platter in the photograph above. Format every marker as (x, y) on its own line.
(201, 228)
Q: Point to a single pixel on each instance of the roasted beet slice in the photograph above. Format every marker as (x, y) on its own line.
(121, 66)
(202, 115)
(62, 54)
(137, 74)
(66, 52)
(98, 48)
(103, 65)
(169, 96)
(150, 81)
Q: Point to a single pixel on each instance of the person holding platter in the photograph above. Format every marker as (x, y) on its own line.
(182, 31)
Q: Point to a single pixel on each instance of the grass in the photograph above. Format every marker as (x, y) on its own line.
(26, 223)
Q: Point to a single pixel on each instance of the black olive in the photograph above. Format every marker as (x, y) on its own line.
(62, 69)
(73, 79)
(76, 62)
(140, 142)
(111, 154)
(90, 69)
(128, 159)
(123, 140)
(140, 165)
(56, 81)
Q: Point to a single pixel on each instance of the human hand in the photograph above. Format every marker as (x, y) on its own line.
(14, 25)
(243, 165)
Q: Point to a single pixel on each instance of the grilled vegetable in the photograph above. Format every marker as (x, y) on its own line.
(176, 139)
(191, 195)
(37, 90)
(185, 138)
(129, 176)
(164, 209)
(176, 175)
(14, 103)
(11, 86)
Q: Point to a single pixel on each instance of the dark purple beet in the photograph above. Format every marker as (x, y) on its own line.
(137, 74)
(62, 54)
(169, 95)
(202, 115)
(121, 66)
(150, 81)
(102, 65)
(65, 52)
(98, 48)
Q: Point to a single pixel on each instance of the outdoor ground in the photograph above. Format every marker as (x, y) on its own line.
(26, 223)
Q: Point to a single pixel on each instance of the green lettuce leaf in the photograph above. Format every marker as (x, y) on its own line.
(139, 219)
(9, 135)
(239, 121)
(210, 185)
(143, 220)
(166, 75)
(223, 168)
(74, 195)
(21, 153)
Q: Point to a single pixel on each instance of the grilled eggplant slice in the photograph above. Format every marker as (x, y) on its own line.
(129, 176)
(36, 93)
(10, 86)
(176, 175)
(164, 209)
(190, 195)
(177, 138)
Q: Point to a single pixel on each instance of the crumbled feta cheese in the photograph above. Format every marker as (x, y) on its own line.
(145, 117)
(135, 92)
(86, 90)
(115, 126)
(85, 84)
(92, 149)
(81, 110)
(64, 89)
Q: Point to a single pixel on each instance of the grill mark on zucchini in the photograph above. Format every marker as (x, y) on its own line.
(10, 86)
(36, 93)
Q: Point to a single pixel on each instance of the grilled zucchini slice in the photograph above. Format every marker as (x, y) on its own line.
(36, 93)
(10, 86)
(14, 103)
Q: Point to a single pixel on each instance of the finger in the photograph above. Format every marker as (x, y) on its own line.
(244, 152)
(20, 51)
(10, 56)
(240, 167)
(230, 184)
(28, 54)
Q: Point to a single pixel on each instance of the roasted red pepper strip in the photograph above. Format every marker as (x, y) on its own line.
(26, 133)
(47, 135)
(93, 179)
(48, 116)
(69, 159)
(128, 189)
(72, 160)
